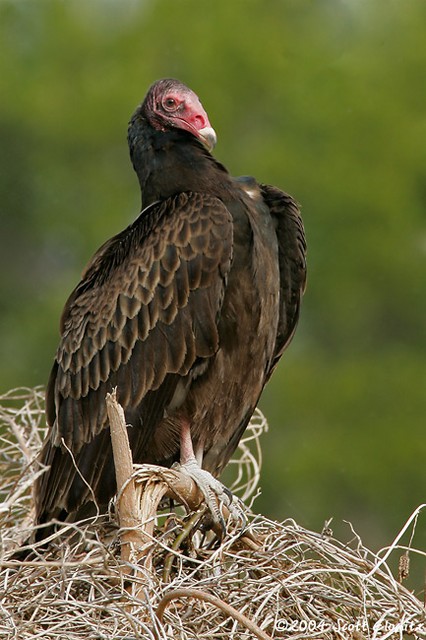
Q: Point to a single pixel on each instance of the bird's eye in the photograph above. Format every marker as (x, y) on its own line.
(170, 104)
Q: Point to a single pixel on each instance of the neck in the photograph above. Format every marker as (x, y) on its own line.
(170, 162)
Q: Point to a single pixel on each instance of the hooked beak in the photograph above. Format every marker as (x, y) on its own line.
(208, 137)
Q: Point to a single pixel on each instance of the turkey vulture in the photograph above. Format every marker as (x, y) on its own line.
(187, 312)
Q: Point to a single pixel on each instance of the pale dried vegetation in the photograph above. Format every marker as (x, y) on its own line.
(276, 580)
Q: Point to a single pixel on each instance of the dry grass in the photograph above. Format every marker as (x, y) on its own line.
(281, 581)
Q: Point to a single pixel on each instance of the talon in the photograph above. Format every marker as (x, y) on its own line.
(212, 490)
(229, 494)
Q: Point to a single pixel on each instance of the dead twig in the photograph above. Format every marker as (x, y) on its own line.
(216, 602)
(295, 584)
(132, 538)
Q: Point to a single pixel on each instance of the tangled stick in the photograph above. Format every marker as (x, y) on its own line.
(127, 506)
(140, 489)
(295, 580)
(216, 602)
(139, 494)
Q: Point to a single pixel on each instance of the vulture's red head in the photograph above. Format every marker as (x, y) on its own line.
(170, 104)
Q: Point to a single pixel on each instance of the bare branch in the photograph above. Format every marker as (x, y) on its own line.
(217, 602)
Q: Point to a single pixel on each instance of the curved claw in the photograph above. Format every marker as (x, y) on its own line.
(214, 493)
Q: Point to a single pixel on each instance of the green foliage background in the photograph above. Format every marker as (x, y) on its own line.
(324, 98)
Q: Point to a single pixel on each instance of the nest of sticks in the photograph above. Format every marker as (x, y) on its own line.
(149, 569)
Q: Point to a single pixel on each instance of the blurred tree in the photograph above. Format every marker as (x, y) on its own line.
(325, 99)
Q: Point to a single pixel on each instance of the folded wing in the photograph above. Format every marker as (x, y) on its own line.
(142, 319)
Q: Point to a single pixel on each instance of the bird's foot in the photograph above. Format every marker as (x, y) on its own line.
(215, 494)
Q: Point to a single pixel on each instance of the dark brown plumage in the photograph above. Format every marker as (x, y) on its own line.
(186, 312)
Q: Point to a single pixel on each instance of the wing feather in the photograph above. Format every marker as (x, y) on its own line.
(143, 315)
(292, 262)
(142, 318)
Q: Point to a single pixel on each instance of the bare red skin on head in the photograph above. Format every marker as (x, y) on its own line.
(169, 103)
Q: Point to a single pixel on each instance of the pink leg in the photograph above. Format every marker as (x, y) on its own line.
(186, 447)
(214, 492)
(199, 453)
